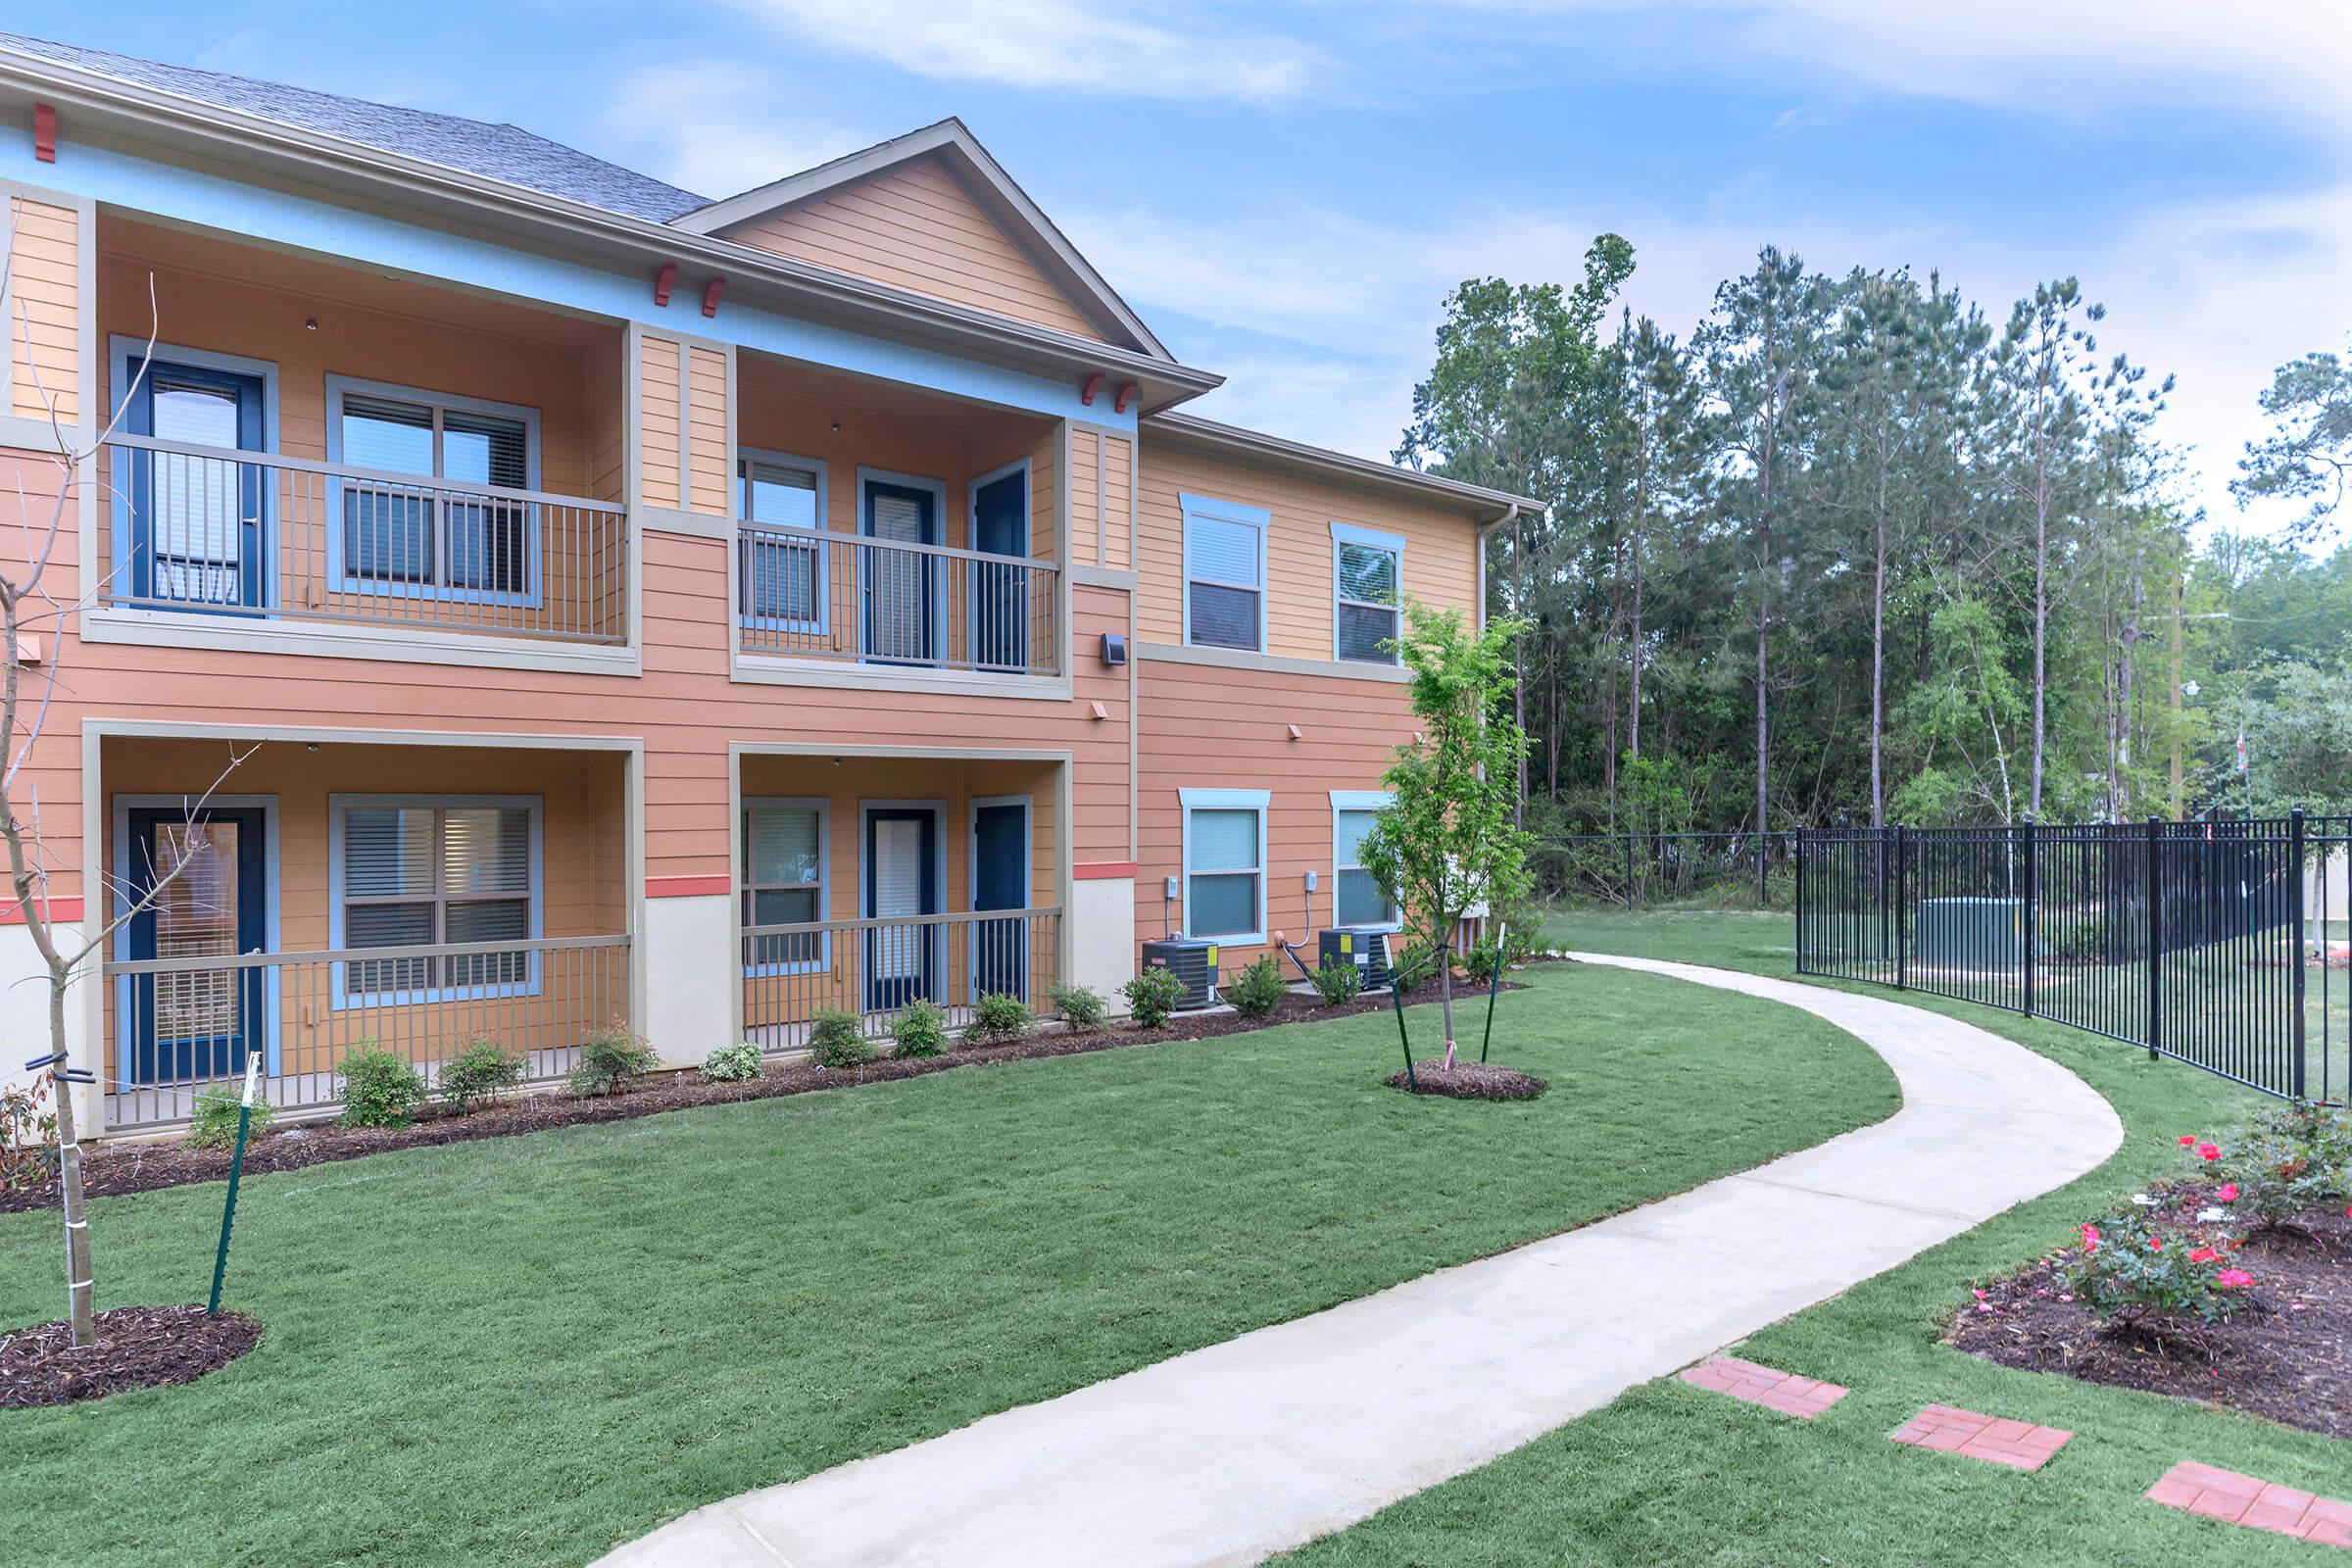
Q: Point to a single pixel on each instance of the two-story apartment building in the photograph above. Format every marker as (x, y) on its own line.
(507, 594)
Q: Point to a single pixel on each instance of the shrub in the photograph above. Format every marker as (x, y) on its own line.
(2289, 1160)
(1079, 1007)
(29, 1152)
(835, 1040)
(2131, 1267)
(213, 1125)
(1338, 981)
(1485, 961)
(1152, 996)
(1258, 989)
(922, 1029)
(997, 1016)
(613, 1061)
(379, 1088)
(732, 1064)
(2079, 941)
(478, 1074)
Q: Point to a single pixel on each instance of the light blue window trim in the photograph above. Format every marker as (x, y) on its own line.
(346, 581)
(272, 940)
(1257, 800)
(336, 806)
(1356, 800)
(823, 809)
(1245, 515)
(1349, 533)
(818, 538)
(124, 353)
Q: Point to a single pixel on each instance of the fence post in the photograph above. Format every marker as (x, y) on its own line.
(2155, 938)
(1800, 898)
(1900, 977)
(2032, 931)
(2294, 923)
(1878, 851)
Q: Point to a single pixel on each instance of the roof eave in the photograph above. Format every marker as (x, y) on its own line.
(1489, 508)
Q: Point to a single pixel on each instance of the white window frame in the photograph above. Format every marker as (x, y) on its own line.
(1245, 515)
(823, 807)
(337, 808)
(819, 536)
(1356, 800)
(1259, 800)
(1349, 533)
(338, 574)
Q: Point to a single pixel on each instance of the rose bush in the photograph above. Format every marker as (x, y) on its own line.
(2135, 1267)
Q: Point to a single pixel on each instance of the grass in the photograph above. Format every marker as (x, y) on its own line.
(1670, 1475)
(523, 1350)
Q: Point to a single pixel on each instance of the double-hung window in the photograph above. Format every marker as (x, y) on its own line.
(1225, 863)
(784, 883)
(1355, 897)
(449, 533)
(426, 872)
(781, 504)
(1224, 574)
(1366, 569)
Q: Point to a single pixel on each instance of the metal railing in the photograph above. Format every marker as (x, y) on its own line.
(265, 537)
(2219, 944)
(173, 1025)
(873, 968)
(809, 594)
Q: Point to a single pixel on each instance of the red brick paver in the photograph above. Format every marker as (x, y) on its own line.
(2259, 1504)
(2019, 1444)
(1765, 1386)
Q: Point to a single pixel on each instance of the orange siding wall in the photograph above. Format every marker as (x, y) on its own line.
(1102, 497)
(1085, 504)
(709, 488)
(914, 227)
(44, 305)
(660, 404)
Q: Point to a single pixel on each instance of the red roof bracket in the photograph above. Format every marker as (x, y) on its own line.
(663, 281)
(1094, 384)
(710, 295)
(1125, 392)
(44, 132)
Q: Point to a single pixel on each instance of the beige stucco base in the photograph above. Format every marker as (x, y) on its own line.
(690, 980)
(1103, 936)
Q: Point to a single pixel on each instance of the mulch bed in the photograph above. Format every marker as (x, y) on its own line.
(138, 1347)
(137, 1167)
(1468, 1080)
(2285, 1356)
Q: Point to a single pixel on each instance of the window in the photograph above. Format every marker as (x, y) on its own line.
(1224, 574)
(783, 572)
(784, 882)
(1224, 863)
(1366, 567)
(425, 538)
(428, 872)
(1355, 899)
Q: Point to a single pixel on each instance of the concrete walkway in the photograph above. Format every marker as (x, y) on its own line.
(1231, 1454)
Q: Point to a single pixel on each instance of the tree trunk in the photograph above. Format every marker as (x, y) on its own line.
(1878, 665)
(80, 1289)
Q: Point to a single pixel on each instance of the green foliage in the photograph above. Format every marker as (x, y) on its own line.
(1079, 1007)
(2133, 1267)
(2081, 939)
(213, 1124)
(737, 1063)
(479, 1075)
(920, 1029)
(379, 1088)
(1338, 981)
(1152, 997)
(837, 1038)
(613, 1061)
(997, 1016)
(1257, 990)
(2286, 1159)
(29, 1152)
(2309, 450)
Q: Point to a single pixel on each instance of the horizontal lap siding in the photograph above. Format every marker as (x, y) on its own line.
(1118, 500)
(915, 229)
(660, 410)
(708, 435)
(1085, 463)
(45, 307)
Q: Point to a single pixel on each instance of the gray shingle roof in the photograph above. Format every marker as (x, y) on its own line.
(475, 146)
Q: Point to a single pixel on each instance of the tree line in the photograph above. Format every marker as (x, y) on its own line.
(1859, 549)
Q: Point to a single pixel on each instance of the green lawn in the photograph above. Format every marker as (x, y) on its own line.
(526, 1348)
(1671, 1475)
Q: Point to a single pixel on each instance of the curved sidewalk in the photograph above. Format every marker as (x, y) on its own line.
(1242, 1449)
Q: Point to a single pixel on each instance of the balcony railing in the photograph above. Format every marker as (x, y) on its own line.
(873, 968)
(265, 537)
(176, 1024)
(807, 594)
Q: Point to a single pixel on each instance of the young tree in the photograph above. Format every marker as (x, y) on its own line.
(1449, 841)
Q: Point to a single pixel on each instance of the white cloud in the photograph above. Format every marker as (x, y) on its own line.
(711, 125)
(1188, 53)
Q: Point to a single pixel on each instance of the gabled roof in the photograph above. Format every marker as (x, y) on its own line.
(983, 177)
(494, 151)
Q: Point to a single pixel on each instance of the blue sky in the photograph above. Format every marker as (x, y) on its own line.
(1285, 191)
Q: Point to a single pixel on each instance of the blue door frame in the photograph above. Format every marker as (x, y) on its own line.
(253, 535)
(156, 1056)
(1001, 589)
(1000, 881)
(921, 647)
(911, 952)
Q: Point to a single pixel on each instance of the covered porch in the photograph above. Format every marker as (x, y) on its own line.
(866, 883)
(317, 898)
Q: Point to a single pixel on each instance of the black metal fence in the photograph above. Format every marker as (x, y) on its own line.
(1667, 870)
(2220, 944)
